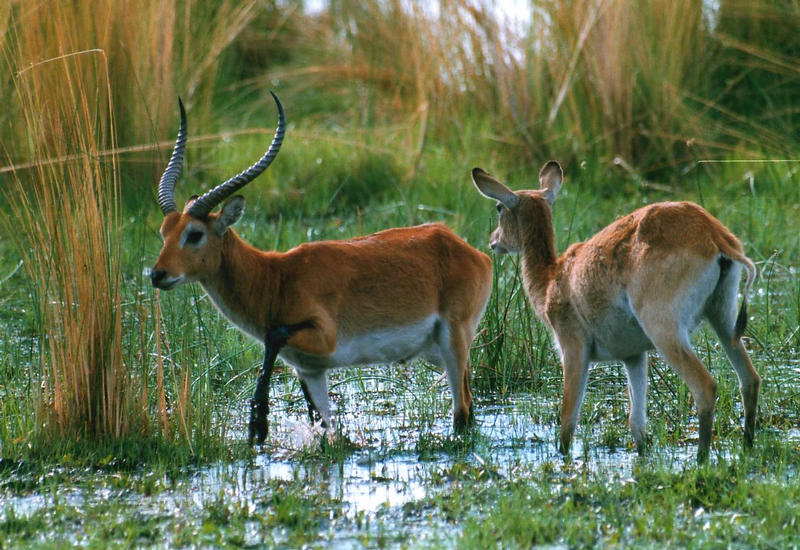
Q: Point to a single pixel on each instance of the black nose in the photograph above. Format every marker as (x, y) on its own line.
(157, 275)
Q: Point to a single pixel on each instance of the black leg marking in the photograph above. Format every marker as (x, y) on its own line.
(259, 404)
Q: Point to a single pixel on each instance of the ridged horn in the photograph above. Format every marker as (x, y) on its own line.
(166, 187)
(204, 204)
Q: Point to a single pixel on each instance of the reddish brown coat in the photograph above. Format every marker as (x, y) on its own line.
(418, 290)
(643, 282)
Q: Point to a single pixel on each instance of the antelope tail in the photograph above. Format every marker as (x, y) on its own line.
(741, 319)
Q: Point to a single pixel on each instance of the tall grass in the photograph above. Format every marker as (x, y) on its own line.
(68, 215)
(75, 72)
(655, 86)
(154, 52)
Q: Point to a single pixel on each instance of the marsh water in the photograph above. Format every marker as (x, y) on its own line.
(395, 448)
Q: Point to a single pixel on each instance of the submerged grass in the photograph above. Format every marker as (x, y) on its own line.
(406, 485)
(723, 505)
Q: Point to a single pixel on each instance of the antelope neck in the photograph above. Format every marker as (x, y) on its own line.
(245, 286)
(538, 258)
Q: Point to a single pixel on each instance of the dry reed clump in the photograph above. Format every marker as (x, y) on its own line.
(653, 85)
(155, 51)
(66, 218)
(75, 72)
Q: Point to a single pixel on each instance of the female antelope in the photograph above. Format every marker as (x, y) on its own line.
(390, 296)
(643, 282)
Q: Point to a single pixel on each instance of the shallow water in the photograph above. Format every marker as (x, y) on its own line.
(404, 450)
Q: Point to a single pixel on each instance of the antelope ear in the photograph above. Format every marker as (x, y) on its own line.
(550, 177)
(231, 211)
(492, 188)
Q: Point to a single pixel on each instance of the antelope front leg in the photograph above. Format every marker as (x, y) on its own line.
(259, 404)
(576, 370)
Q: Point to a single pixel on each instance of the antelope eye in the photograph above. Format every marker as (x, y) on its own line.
(499, 207)
(194, 237)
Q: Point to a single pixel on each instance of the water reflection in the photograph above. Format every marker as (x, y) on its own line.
(398, 458)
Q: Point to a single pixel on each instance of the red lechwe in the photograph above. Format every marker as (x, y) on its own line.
(390, 296)
(644, 282)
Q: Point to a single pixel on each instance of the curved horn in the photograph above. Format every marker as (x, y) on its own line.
(166, 187)
(206, 203)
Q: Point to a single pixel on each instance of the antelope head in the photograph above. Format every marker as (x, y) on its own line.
(519, 213)
(193, 238)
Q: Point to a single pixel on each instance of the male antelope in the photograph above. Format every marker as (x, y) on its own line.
(643, 282)
(390, 296)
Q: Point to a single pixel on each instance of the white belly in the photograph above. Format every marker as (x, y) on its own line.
(619, 335)
(379, 346)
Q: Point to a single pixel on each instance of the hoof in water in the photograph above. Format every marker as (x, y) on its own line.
(257, 428)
